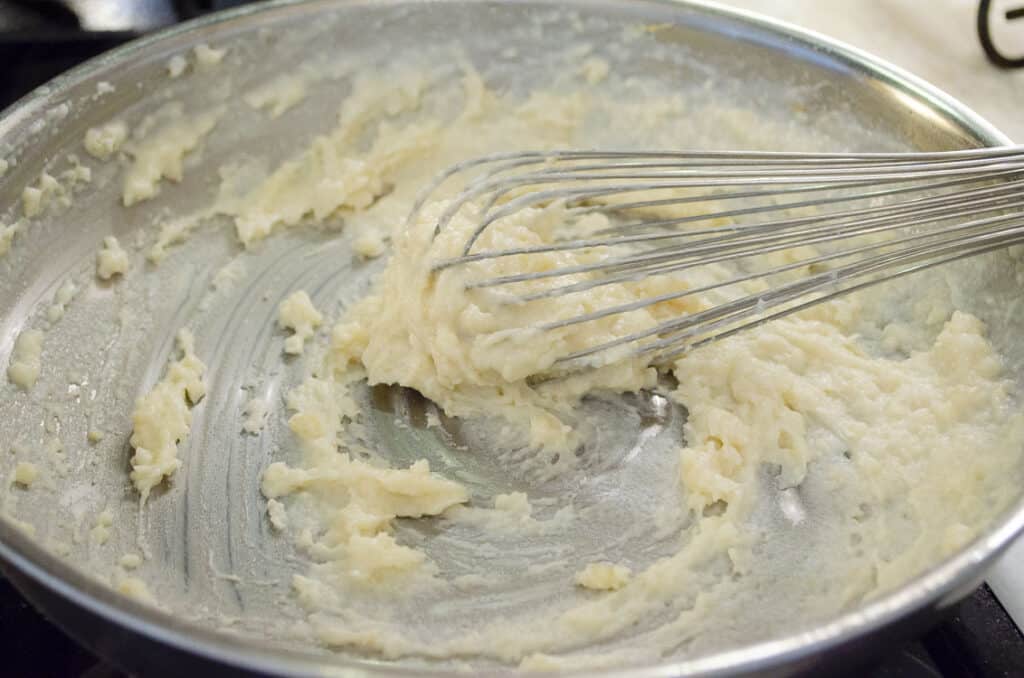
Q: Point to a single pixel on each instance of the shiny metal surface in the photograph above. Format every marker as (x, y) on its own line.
(123, 15)
(894, 111)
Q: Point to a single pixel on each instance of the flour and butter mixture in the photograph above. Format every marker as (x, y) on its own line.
(439, 498)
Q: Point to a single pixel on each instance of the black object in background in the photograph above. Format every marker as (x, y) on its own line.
(34, 56)
(190, 8)
(987, 15)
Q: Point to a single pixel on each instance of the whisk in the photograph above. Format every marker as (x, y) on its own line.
(869, 217)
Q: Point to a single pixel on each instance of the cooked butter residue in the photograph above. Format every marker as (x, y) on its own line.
(158, 148)
(25, 473)
(136, 589)
(102, 142)
(279, 95)
(603, 576)
(26, 359)
(111, 259)
(297, 313)
(163, 416)
(361, 499)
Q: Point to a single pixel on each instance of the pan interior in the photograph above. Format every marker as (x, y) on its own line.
(208, 553)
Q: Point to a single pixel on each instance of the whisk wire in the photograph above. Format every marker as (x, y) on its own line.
(866, 218)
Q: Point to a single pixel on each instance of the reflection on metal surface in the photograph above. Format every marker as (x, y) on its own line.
(123, 15)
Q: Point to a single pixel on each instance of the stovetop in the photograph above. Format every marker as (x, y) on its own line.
(978, 640)
(40, 39)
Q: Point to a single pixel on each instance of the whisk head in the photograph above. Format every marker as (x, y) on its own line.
(647, 254)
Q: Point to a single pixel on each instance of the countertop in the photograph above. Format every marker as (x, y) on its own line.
(933, 39)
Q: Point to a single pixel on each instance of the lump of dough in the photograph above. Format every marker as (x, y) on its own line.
(407, 493)
(361, 500)
(298, 314)
(331, 175)
(100, 533)
(25, 359)
(162, 418)
(136, 589)
(369, 245)
(278, 95)
(603, 576)
(102, 142)
(76, 176)
(176, 65)
(25, 473)
(61, 299)
(160, 154)
(277, 515)
(35, 198)
(471, 354)
(7, 233)
(373, 558)
(207, 56)
(111, 259)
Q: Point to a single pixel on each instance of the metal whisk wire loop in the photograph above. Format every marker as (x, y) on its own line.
(840, 221)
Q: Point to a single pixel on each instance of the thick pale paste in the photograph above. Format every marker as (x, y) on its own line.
(603, 576)
(25, 364)
(800, 391)
(7, 233)
(25, 473)
(297, 313)
(279, 95)
(34, 199)
(163, 416)
(111, 259)
(158, 148)
(65, 293)
(102, 142)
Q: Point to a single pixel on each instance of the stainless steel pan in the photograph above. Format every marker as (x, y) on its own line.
(210, 520)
